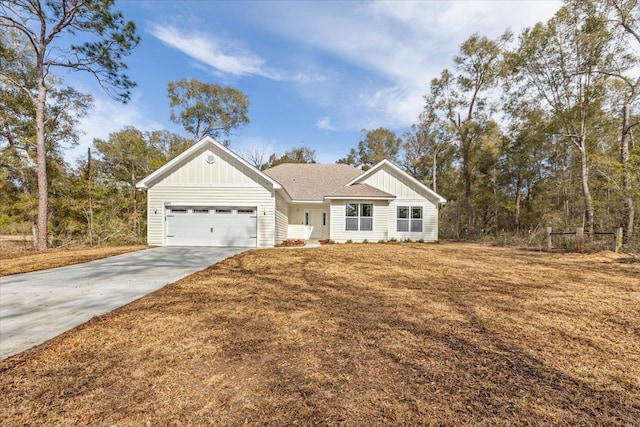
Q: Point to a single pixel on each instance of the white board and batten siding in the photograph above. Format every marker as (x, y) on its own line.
(200, 183)
(407, 194)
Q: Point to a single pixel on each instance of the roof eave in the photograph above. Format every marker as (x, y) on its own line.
(359, 198)
(307, 202)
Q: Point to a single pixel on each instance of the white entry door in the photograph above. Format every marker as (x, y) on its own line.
(211, 226)
(318, 220)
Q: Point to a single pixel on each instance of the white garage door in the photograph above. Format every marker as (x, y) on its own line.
(206, 226)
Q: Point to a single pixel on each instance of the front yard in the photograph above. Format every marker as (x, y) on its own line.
(356, 334)
(14, 261)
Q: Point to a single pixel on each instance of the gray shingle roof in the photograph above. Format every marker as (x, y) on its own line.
(361, 190)
(312, 181)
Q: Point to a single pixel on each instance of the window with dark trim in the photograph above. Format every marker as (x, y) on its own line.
(359, 217)
(409, 219)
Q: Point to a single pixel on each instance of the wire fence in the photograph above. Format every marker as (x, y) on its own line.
(580, 237)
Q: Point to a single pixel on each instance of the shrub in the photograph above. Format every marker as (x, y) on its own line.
(365, 241)
(349, 241)
(381, 241)
(392, 240)
(293, 242)
(420, 240)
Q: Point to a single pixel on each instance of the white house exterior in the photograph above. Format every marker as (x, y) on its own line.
(209, 196)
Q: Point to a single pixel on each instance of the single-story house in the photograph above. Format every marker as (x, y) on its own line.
(210, 196)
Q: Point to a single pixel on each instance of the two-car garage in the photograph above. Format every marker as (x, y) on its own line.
(211, 226)
(209, 196)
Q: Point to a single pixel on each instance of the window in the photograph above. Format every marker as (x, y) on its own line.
(411, 224)
(352, 217)
(245, 211)
(324, 218)
(201, 211)
(403, 219)
(223, 211)
(359, 217)
(306, 218)
(178, 210)
(416, 219)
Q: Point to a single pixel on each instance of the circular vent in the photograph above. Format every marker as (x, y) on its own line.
(211, 158)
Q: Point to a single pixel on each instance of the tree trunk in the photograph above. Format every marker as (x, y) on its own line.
(41, 150)
(629, 209)
(466, 176)
(90, 197)
(584, 178)
(518, 202)
(434, 172)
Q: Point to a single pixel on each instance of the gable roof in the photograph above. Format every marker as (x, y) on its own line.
(150, 180)
(312, 181)
(386, 162)
(360, 191)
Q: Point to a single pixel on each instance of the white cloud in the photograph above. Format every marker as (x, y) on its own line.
(325, 123)
(224, 56)
(210, 51)
(406, 43)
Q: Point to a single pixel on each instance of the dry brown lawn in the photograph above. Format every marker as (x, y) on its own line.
(14, 261)
(374, 334)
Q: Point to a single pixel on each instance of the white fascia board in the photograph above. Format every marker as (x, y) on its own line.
(144, 183)
(371, 171)
(359, 198)
(307, 202)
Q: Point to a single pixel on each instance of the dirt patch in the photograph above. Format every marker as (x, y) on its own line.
(25, 261)
(371, 334)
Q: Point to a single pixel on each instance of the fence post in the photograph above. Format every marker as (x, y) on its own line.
(580, 239)
(618, 239)
(549, 230)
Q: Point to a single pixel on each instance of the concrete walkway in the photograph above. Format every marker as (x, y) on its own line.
(35, 307)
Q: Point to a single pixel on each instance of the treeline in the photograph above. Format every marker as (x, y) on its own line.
(522, 132)
(532, 130)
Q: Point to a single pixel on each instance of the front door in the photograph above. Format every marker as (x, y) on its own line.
(318, 220)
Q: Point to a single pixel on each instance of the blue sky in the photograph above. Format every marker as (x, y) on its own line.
(316, 73)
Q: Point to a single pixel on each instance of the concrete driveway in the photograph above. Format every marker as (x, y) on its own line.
(35, 307)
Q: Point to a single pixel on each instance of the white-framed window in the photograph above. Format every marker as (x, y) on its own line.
(178, 210)
(359, 217)
(306, 218)
(223, 211)
(200, 211)
(409, 219)
(246, 211)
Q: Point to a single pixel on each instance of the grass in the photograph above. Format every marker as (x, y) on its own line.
(14, 261)
(407, 334)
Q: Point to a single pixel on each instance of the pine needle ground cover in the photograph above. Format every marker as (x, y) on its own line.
(361, 334)
(14, 261)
